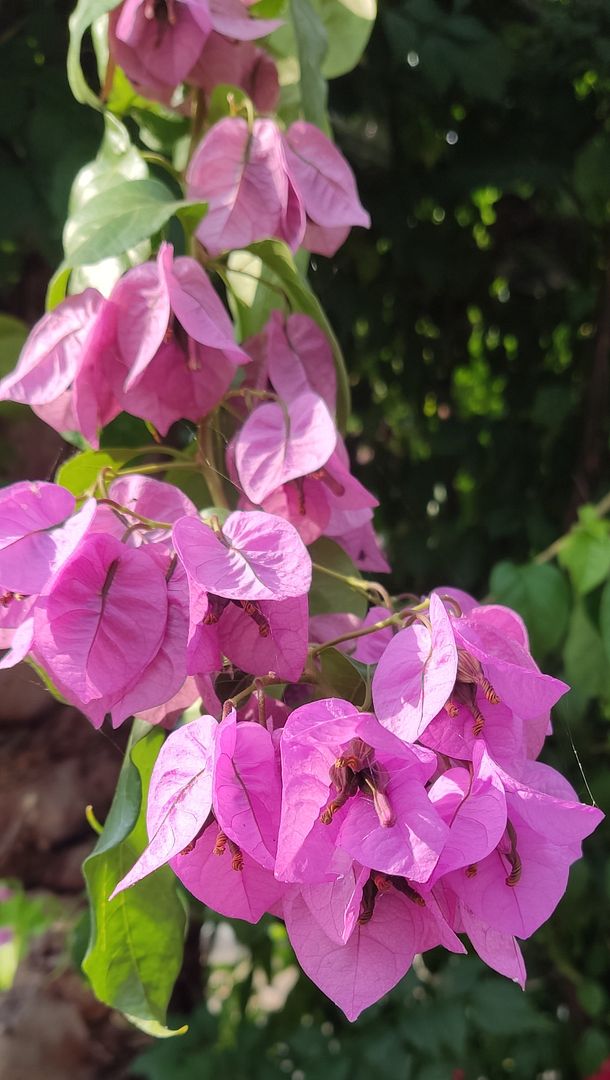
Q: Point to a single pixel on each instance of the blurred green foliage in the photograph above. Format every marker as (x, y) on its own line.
(475, 319)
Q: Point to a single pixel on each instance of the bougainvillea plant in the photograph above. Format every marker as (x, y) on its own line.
(363, 766)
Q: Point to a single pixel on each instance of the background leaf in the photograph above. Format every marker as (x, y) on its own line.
(329, 594)
(137, 939)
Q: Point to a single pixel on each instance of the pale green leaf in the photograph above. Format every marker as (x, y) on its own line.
(117, 219)
(136, 944)
(79, 473)
(81, 19)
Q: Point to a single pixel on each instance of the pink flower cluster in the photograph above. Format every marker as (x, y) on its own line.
(160, 44)
(161, 347)
(376, 836)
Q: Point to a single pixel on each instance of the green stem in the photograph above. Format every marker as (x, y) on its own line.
(162, 467)
(392, 620)
(162, 163)
(207, 463)
(149, 522)
(601, 508)
(359, 584)
(269, 680)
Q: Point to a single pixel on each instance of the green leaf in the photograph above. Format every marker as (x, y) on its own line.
(312, 45)
(591, 178)
(57, 288)
(341, 677)
(348, 25)
(500, 1008)
(84, 14)
(266, 277)
(155, 1029)
(79, 474)
(117, 219)
(541, 596)
(136, 944)
(329, 593)
(226, 100)
(586, 663)
(604, 618)
(13, 333)
(586, 552)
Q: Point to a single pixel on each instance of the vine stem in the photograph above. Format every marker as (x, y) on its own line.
(207, 462)
(359, 584)
(269, 680)
(161, 467)
(392, 620)
(149, 522)
(601, 508)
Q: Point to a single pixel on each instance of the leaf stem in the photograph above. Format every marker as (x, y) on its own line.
(601, 509)
(207, 463)
(149, 522)
(392, 620)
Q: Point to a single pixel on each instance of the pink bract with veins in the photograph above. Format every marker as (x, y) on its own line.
(179, 797)
(258, 557)
(159, 42)
(259, 183)
(416, 674)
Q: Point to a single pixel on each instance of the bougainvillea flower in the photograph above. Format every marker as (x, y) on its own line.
(171, 710)
(165, 673)
(179, 796)
(151, 499)
(326, 187)
(275, 641)
(259, 183)
(486, 636)
(247, 788)
(157, 43)
(416, 674)
(326, 627)
(172, 300)
(452, 731)
(299, 358)
(60, 373)
(242, 175)
(303, 503)
(282, 442)
(237, 63)
(105, 596)
(28, 513)
(341, 768)
(499, 951)
(473, 804)
(329, 501)
(20, 645)
(376, 955)
(370, 649)
(353, 531)
(38, 533)
(517, 887)
(456, 599)
(335, 905)
(225, 878)
(53, 352)
(256, 557)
